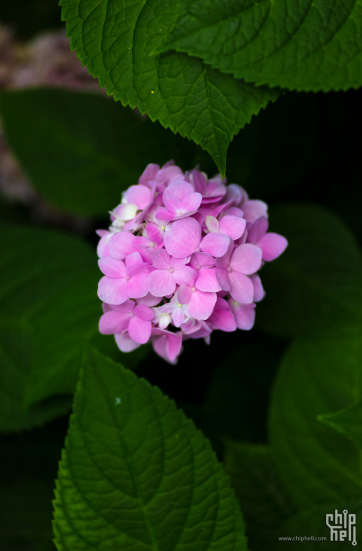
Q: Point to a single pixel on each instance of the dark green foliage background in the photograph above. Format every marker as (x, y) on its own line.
(276, 409)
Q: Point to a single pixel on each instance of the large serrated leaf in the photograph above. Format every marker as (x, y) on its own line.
(136, 474)
(116, 39)
(295, 44)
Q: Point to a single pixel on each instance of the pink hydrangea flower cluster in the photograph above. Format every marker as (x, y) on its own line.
(181, 259)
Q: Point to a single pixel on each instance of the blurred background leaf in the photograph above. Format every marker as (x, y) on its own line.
(260, 492)
(84, 149)
(315, 462)
(315, 288)
(48, 311)
(347, 421)
(312, 522)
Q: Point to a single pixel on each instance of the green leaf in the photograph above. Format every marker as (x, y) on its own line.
(136, 474)
(347, 421)
(315, 287)
(116, 40)
(294, 44)
(259, 491)
(48, 311)
(316, 464)
(82, 150)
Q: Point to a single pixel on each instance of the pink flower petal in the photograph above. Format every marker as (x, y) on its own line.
(113, 322)
(199, 260)
(167, 345)
(254, 209)
(257, 230)
(244, 314)
(183, 238)
(169, 173)
(137, 286)
(185, 275)
(139, 330)
(111, 267)
(163, 214)
(246, 259)
(224, 261)
(223, 279)
(272, 246)
(174, 346)
(232, 226)
(215, 244)
(160, 346)
(112, 291)
(133, 259)
(212, 224)
(161, 283)
(154, 233)
(167, 308)
(178, 263)
(184, 293)
(259, 292)
(135, 269)
(149, 174)
(174, 193)
(120, 245)
(234, 211)
(222, 319)
(143, 312)
(125, 307)
(199, 180)
(125, 343)
(235, 194)
(106, 307)
(201, 305)
(124, 211)
(207, 281)
(102, 247)
(161, 260)
(178, 316)
(242, 288)
(140, 195)
(146, 254)
(149, 300)
(190, 203)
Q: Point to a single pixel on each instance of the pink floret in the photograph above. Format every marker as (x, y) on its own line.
(182, 259)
